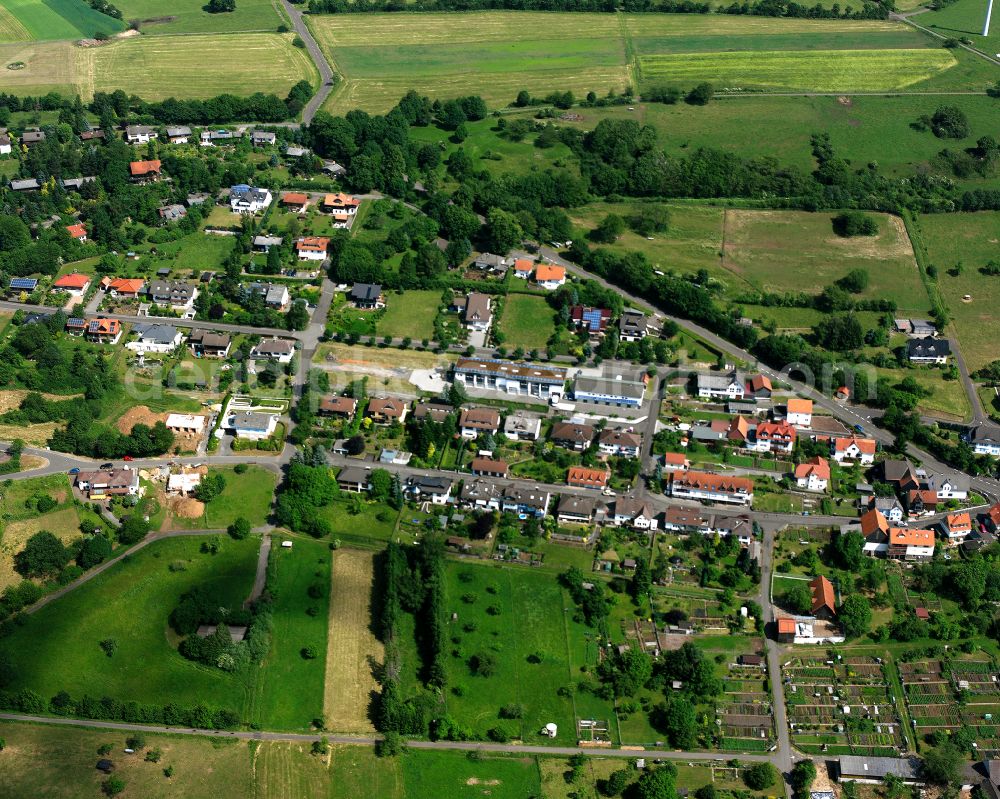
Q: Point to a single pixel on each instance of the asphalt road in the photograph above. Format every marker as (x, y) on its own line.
(326, 74)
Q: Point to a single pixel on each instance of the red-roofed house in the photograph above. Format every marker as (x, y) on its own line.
(813, 475)
(523, 267)
(77, 231)
(786, 631)
(74, 283)
(906, 544)
(854, 449)
(675, 462)
(312, 248)
(583, 477)
(128, 288)
(549, 276)
(957, 526)
(145, 171)
(773, 437)
(875, 529)
(759, 387)
(712, 487)
(799, 412)
(295, 201)
(824, 602)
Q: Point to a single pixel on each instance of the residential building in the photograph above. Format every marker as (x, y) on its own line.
(550, 277)
(427, 488)
(785, 631)
(619, 443)
(910, 545)
(875, 528)
(295, 201)
(265, 243)
(572, 435)
(312, 248)
(928, 350)
(489, 262)
(854, 449)
(178, 134)
(103, 483)
(77, 232)
(773, 437)
(480, 494)
(275, 295)
(253, 425)
(574, 509)
(585, 477)
(478, 313)
(956, 527)
(948, 486)
(338, 406)
(591, 320)
(209, 345)
(474, 422)
(155, 338)
(727, 386)
(915, 328)
(5, 145)
(510, 378)
(75, 284)
(75, 184)
(145, 171)
(759, 388)
(483, 466)
(739, 431)
(354, 479)
(991, 518)
(339, 202)
(522, 426)
(523, 267)
(711, 487)
(124, 288)
(177, 295)
(631, 325)
(614, 392)
(813, 474)
(76, 326)
(274, 349)
(173, 212)
(824, 603)
(25, 284)
(103, 331)
(292, 151)
(984, 439)
(139, 134)
(524, 501)
(890, 507)
(675, 462)
(799, 412)
(921, 501)
(26, 184)
(900, 474)
(367, 296)
(262, 138)
(385, 410)
(634, 513)
(435, 411)
(244, 199)
(679, 519)
(189, 423)
(32, 137)
(218, 138)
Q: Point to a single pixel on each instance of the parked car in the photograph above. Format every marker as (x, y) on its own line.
(107, 466)
(127, 458)
(75, 470)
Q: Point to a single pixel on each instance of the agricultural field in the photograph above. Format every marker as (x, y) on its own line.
(527, 321)
(58, 647)
(353, 650)
(24, 20)
(189, 16)
(971, 241)
(844, 708)
(154, 67)
(290, 689)
(494, 54)
(964, 19)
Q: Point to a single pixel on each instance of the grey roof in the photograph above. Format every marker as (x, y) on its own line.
(31, 136)
(430, 484)
(489, 260)
(519, 421)
(609, 387)
(577, 505)
(76, 183)
(958, 480)
(984, 434)
(252, 420)
(263, 135)
(632, 322)
(879, 767)
(23, 185)
(139, 130)
(895, 470)
(719, 381)
(366, 291)
(173, 212)
(480, 489)
(248, 194)
(175, 291)
(156, 334)
(296, 152)
(267, 241)
(178, 130)
(353, 474)
(526, 497)
(928, 347)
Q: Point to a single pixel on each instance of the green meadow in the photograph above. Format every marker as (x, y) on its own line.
(23, 20)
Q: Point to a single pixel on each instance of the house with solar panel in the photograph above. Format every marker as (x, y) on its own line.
(103, 331)
(76, 326)
(593, 321)
(25, 284)
(245, 199)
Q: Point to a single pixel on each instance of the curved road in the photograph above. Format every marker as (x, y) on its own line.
(326, 74)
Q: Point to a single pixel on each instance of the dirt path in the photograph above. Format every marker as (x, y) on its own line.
(352, 649)
(258, 583)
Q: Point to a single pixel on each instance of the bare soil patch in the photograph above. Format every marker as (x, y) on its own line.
(140, 414)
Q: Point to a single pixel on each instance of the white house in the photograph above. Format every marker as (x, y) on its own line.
(634, 512)
(854, 449)
(949, 486)
(928, 350)
(799, 412)
(252, 425)
(728, 386)
(275, 349)
(549, 276)
(620, 443)
(5, 145)
(185, 423)
(139, 134)
(984, 439)
(245, 199)
(155, 338)
(180, 134)
(813, 475)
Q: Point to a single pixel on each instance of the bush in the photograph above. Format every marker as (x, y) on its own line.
(700, 94)
(950, 122)
(855, 223)
(113, 786)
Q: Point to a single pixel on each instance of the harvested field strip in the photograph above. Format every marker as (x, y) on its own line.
(816, 70)
(352, 648)
(11, 28)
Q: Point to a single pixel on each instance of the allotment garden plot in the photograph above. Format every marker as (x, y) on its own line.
(842, 707)
(743, 714)
(953, 694)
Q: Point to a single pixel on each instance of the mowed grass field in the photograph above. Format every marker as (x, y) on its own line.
(52, 19)
(971, 239)
(528, 321)
(409, 314)
(248, 495)
(159, 67)
(495, 54)
(188, 16)
(353, 651)
(58, 647)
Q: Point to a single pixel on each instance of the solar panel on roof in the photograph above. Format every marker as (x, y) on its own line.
(23, 283)
(74, 321)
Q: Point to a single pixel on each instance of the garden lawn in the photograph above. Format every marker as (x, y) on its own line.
(197, 251)
(528, 321)
(970, 239)
(429, 775)
(58, 763)
(189, 16)
(156, 68)
(410, 314)
(58, 647)
(947, 398)
(247, 495)
(372, 527)
(53, 19)
(291, 687)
